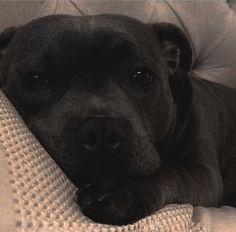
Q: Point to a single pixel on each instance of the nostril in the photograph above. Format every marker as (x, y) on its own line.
(114, 140)
(92, 137)
(88, 147)
(115, 146)
(89, 141)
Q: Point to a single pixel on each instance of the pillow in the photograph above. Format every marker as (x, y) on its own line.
(35, 195)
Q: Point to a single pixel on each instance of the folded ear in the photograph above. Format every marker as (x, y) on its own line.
(5, 38)
(178, 53)
(176, 46)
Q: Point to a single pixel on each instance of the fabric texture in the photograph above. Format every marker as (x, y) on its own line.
(221, 219)
(37, 196)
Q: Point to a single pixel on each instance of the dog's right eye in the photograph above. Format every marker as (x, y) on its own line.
(142, 76)
(35, 78)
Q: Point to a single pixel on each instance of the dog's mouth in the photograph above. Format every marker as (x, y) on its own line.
(133, 159)
(99, 148)
(83, 168)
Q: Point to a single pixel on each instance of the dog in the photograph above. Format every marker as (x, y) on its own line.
(114, 103)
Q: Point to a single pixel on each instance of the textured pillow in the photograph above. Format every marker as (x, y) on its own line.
(35, 195)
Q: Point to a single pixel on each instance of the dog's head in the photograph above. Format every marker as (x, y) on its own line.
(101, 93)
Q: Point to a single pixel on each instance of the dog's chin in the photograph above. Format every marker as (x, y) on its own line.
(90, 175)
(83, 168)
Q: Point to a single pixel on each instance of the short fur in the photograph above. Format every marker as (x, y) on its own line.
(177, 135)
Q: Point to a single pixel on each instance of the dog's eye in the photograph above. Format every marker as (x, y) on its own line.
(36, 79)
(142, 76)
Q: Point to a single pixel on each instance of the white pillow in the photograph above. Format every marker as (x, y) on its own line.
(35, 195)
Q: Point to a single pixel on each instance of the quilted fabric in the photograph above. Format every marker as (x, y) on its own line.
(43, 196)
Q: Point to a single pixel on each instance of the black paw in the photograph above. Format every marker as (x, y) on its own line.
(116, 202)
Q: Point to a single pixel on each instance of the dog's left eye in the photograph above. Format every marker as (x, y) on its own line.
(142, 76)
(36, 79)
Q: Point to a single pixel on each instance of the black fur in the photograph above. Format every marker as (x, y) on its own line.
(131, 145)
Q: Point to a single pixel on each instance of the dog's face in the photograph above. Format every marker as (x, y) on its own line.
(95, 91)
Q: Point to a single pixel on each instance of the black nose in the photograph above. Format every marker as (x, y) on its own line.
(101, 135)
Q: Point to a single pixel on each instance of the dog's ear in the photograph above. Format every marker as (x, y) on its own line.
(178, 54)
(176, 46)
(5, 38)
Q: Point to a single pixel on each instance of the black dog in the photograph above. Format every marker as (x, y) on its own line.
(110, 99)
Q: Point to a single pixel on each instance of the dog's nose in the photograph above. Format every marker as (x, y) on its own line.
(101, 135)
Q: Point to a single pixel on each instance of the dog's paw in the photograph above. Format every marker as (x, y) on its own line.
(115, 201)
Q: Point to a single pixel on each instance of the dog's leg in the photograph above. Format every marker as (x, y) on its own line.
(121, 201)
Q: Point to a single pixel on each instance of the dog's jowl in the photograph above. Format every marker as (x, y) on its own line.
(112, 101)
